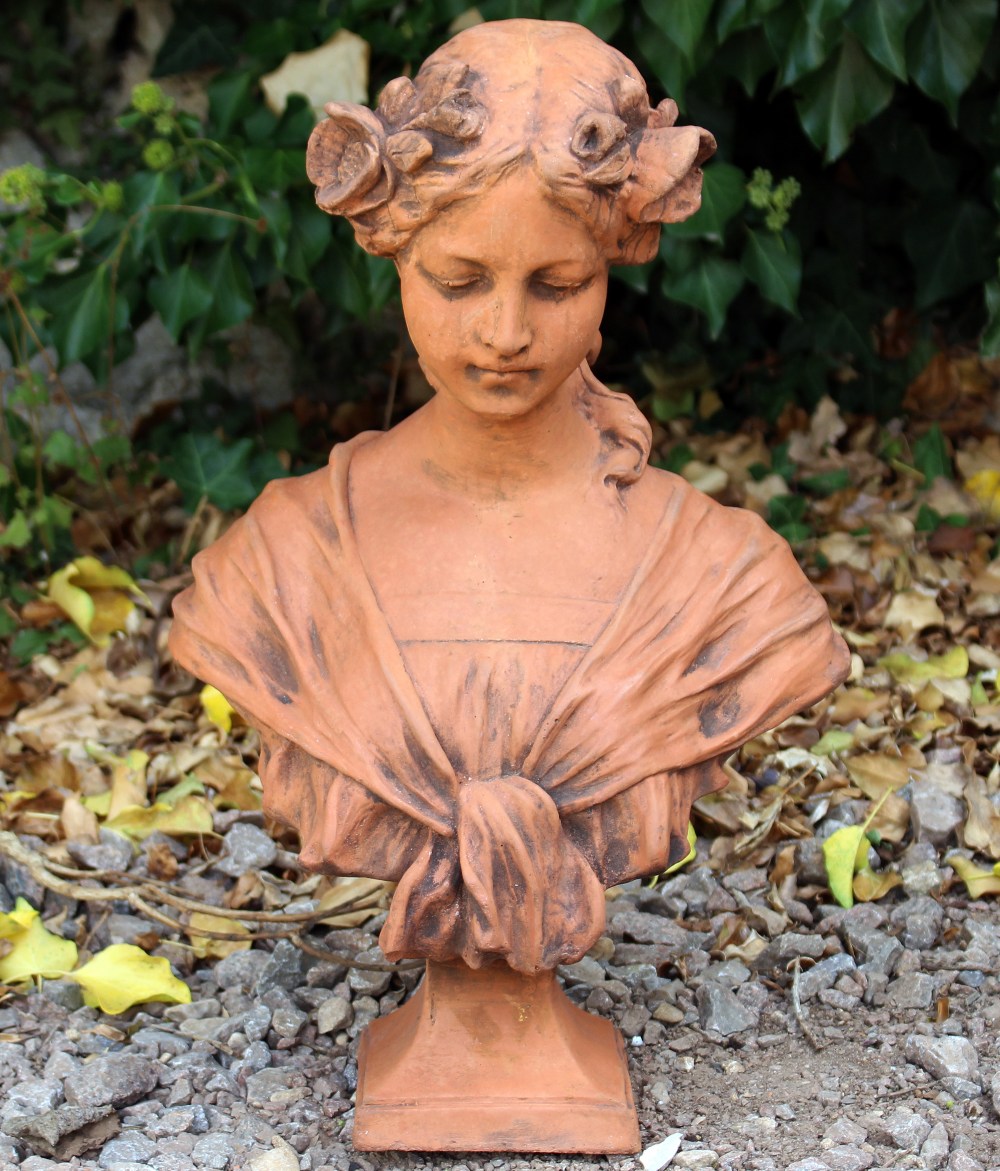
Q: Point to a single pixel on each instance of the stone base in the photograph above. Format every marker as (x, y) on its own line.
(492, 1060)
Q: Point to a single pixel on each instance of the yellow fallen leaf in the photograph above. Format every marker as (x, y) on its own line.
(207, 948)
(128, 778)
(978, 882)
(845, 852)
(840, 850)
(371, 893)
(184, 788)
(218, 709)
(954, 664)
(77, 821)
(693, 844)
(913, 610)
(984, 485)
(98, 803)
(34, 951)
(97, 598)
(870, 885)
(191, 815)
(122, 975)
(833, 740)
(876, 773)
(982, 827)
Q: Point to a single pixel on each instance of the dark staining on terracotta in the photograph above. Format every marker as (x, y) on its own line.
(719, 713)
(316, 643)
(679, 849)
(709, 655)
(271, 656)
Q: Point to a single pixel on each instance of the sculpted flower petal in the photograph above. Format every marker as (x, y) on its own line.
(344, 156)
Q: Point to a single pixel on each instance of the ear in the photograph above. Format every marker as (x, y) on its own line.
(344, 158)
(666, 182)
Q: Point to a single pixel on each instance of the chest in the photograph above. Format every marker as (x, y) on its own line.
(583, 547)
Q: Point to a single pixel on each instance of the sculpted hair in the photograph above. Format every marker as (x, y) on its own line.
(543, 94)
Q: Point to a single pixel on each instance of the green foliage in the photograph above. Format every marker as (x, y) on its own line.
(858, 173)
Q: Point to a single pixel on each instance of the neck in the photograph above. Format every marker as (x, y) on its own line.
(498, 458)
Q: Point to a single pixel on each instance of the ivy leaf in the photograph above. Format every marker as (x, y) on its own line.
(232, 293)
(82, 315)
(945, 240)
(930, 455)
(945, 45)
(709, 286)
(850, 89)
(180, 296)
(804, 35)
(123, 975)
(989, 346)
(774, 264)
(723, 194)
(880, 25)
(684, 24)
(204, 466)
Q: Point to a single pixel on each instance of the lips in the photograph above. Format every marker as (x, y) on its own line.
(478, 372)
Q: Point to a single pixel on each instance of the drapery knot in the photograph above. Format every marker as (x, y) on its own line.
(509, 884)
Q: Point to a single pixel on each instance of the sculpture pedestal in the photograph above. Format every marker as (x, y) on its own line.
(492, 1060)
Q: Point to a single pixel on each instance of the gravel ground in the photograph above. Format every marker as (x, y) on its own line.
(881, 1052)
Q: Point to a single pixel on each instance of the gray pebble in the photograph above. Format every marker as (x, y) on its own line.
(112, 852)
(848, 1159)
(824, 974)
(178, 1120)
(876, 950)
(333, 1015)
(130, 1147)
(960, 1088)
(585, 971)
(844, 1132)
(242, 969)
(288, 1022)
(283, 969)
(634, 1020)
(911, 990)
(256, 1057)
(215, 1151)
(368, 983)
(902, 1128)
(935, 1147)
(943, 1056)
(35, 1095)
(245, 847)
(255, 1023)
(721, 1012)
(262, 1086)
(66, 993)
(115, 1079)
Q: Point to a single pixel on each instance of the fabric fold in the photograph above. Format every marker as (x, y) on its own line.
(502, 828)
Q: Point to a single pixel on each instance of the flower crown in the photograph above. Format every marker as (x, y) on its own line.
(364, 163)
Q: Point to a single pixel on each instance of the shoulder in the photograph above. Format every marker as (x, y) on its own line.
(681, 501)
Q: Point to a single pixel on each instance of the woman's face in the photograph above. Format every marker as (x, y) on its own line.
(503, 294)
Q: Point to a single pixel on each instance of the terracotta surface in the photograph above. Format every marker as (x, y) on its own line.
(493, 656)
(443, 1062)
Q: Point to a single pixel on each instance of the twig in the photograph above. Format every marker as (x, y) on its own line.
(137, 896)
(341, 958)
(807, 1031)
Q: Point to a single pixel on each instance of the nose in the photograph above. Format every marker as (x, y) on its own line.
(505, 327)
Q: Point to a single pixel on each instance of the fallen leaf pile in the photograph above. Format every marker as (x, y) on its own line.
(121, 775)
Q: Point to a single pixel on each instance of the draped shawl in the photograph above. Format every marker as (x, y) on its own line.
(717, 637)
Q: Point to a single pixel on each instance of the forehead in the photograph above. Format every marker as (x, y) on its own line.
(514, 223)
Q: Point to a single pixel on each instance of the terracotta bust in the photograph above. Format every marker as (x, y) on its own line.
(493, 656)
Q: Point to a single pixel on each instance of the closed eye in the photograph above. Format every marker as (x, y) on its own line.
(549, 290)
